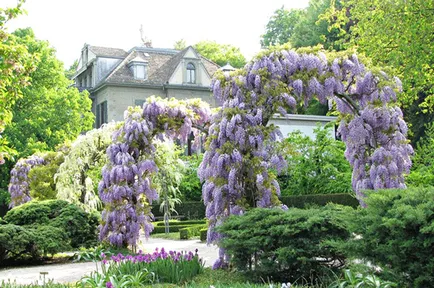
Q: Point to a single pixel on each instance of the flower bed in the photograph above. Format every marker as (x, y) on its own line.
(157, 267)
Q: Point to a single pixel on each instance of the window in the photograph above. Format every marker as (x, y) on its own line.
(139, 102)
(138, 68)
(191, 73)
(140, 72)
(101, 114)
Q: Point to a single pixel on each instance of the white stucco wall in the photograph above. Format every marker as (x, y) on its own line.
(304, 123)
(190, 54)
(191, 94)
(120, 98)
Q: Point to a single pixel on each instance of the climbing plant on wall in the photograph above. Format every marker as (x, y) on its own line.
(126, 188)
(241, 154)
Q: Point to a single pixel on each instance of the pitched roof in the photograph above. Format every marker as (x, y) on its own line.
(108, 52)
(161, 64)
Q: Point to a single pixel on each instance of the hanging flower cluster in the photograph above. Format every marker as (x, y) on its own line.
(19, 183)
(242, 151)
(126, 188)
(88, 151)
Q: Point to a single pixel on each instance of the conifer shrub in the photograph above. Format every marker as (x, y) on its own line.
(298, 244)
(396, 231)
(79, 226)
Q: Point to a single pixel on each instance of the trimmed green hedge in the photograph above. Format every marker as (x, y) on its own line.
(176, 228)
(300, 201)
(190, 210)
(189, 232)
(196, 210)
(203, 234)
(177, 223)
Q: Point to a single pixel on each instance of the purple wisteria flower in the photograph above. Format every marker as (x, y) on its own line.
(236, 167)
(126, 187)
(19, 183)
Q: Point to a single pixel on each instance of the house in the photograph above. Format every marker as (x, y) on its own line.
(116, 78)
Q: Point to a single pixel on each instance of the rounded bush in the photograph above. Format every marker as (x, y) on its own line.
(79, 226)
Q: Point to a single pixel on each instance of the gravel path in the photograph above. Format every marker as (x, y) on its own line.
(69, 273)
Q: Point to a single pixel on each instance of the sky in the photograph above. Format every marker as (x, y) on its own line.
(69, 24)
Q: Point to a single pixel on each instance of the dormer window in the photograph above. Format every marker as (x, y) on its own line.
(138, 67)
(191, 73)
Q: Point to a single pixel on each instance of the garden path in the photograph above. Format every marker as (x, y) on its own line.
(69, 273)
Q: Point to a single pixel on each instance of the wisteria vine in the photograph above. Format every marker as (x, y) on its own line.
(19, 183)
(242, 151)
(126, 188)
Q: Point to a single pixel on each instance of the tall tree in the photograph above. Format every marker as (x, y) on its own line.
(312, 30)
(180, 44)
(15, 65)
(280, 27)
(221, 53)
(50, 111)
(71, 70)
(304, 27)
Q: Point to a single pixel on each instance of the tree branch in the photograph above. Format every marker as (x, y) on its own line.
(200, 128)
(350, 102)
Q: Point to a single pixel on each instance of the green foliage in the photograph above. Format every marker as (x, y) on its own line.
(71, 70)
(397, 231)
(42, 186)
(312, 30)
(203, 234)
(285, 245)
(304, 27)
(18, 241)
(137, 272)
(48, 284)
(162, 229)
(180, 44)
(79, 226)
(78, 176)
(352, 280)
(394, 33)
(137, 279)
(168, 177)
(58, 112)
(177, 223)
(280, 27)
(221, 53)
(189, 210)
(422, 171)
(50, 239)
(315, 166)
(190, 186)
(302, 201)
(16, 65)
(190, 232)
(5, 197)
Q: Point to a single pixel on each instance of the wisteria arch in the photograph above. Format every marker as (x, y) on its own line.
(126, 188)
(242, 151)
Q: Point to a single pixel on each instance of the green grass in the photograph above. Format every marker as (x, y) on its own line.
(216, 278)
(171, 236)
(222, 279)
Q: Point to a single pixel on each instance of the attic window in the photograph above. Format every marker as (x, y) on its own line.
(191, 73)
(138, 69)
